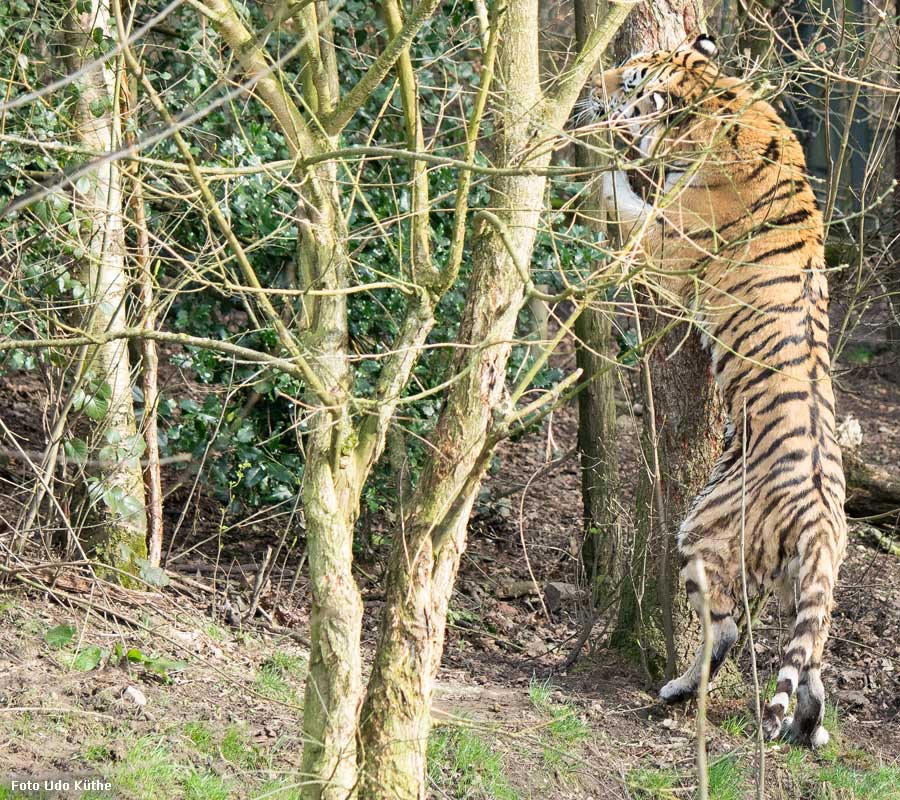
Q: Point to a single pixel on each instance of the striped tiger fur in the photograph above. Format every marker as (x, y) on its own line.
(732, 229)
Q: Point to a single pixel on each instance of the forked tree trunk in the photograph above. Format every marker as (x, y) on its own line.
(396, 716)
(118, 509)
(339, 453)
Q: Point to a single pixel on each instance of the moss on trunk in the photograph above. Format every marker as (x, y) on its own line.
(119, 529)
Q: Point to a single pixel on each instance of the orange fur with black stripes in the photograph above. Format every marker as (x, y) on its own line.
(730, 226)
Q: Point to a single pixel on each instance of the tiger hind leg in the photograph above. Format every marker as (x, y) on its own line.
(800, 667)
(724, 634)
(805, 727)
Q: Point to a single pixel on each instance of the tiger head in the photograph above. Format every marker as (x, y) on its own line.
(648, 87)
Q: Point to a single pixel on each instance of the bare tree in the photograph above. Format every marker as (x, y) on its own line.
(602, 550)
(117, 491)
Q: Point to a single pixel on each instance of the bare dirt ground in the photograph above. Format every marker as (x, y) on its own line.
(208, 706)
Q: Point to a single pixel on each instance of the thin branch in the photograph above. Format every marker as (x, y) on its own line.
(284, 335)
(354, 99)
(562, 97)
(258, 67)
(284, 365)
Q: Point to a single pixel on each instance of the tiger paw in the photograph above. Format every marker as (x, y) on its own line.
(773, 722)
(677, 691)
(790, 732)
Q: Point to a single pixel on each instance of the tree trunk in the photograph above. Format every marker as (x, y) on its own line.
(119, 535)
(685, 414)
(396, 715)
(657, 25)
(683, 423)
(397, 712)
(331, 492)
(597, 441)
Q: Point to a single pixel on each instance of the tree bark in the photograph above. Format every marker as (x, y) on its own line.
(149, 359)
(871, 490)
(119, 535)
(683, 424)
(657, 25)
(597, 441)
(331, 492)
(425, 557)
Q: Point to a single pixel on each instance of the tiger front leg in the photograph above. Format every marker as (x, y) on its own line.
(620, 200)
(724, 633)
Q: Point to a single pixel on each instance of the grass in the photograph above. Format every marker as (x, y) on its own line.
(837, 782)
(205, 785)
(277, 675)
(564, 729)
(200, 736)
(738, 725)
(278, 790)
(727, 780)
(239, 751)
(652, 784)
(837, 772)
(539, 693)
(286, 664)
(216, 632)
(466, 767)
(148, 771)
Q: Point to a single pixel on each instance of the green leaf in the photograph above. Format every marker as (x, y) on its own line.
(164, 665)
(131, 506)
(59, 636)
(83, 184)
(96, 407)
(41, 211)
(155, 576)
(135, 656)
(89, 658)
(98, 107)
(76, 449)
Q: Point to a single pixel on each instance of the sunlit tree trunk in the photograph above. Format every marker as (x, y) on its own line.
(396, 716)
(119, 516)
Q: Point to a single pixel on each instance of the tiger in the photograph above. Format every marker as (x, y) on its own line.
(729, 225)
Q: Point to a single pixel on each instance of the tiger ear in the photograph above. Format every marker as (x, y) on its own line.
(706, 45)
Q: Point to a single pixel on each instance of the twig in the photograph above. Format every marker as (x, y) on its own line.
(258, 584)
(703, 688)
(760, 739)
